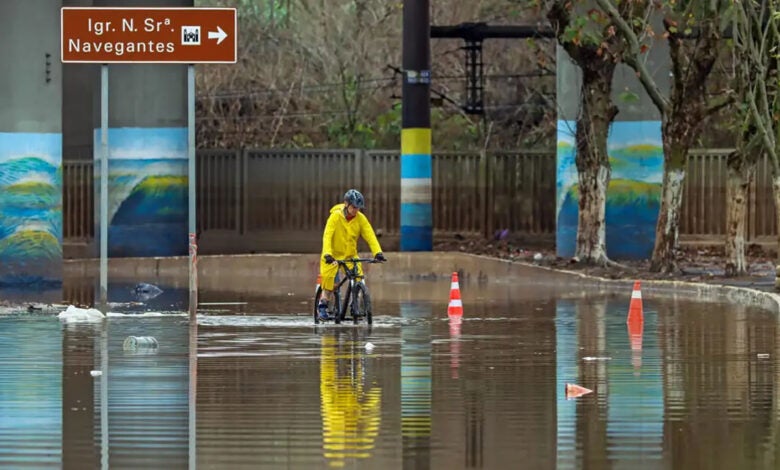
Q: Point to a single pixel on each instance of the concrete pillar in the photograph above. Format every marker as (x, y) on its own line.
(635, 151)
(30, 143)
(147, 140)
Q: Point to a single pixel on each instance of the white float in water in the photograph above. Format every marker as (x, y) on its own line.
(75, 314)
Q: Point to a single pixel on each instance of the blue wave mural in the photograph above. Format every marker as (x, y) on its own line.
(30, 208)
(147, 191)
(633, 195)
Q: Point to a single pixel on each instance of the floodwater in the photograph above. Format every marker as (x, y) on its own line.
(257, 385)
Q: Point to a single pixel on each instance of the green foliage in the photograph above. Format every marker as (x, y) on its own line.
(628, 97)
(450, 131)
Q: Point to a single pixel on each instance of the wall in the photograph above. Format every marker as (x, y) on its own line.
(30, 143)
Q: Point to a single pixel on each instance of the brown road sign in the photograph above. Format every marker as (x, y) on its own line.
(148, 35)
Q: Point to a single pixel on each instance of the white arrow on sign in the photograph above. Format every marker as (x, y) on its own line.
(219, 35)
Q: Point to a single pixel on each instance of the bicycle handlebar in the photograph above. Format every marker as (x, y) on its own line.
(358, 260)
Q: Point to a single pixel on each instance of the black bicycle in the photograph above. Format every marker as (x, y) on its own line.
(356, 297)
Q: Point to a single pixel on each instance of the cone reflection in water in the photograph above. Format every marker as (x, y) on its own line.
(635, 331)
(574, 391)
(455, 324)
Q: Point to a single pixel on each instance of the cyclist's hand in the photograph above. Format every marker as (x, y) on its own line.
(380, 258)
(329, 259)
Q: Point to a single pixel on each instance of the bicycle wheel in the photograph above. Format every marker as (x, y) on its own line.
(361, 303)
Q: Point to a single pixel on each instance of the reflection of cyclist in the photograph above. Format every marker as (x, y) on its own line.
(351, 412)
(345, 224)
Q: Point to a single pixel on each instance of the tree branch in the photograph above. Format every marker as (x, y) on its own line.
(723, 102)
(632, 58)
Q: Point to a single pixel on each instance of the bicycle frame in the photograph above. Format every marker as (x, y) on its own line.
(345, 299)
(351, 276)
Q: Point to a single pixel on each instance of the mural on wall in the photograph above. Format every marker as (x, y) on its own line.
(633, 196)
(30, 208)
(147, 191)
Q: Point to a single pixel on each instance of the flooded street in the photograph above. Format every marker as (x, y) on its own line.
(698, 390)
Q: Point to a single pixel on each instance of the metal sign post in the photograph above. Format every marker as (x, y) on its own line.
(104, 188)
(148, 35)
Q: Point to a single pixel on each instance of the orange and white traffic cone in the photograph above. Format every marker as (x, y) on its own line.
(574, 391)
(455, 308)
(635, 311)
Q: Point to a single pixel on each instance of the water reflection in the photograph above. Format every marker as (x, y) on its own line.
(80, 355)
(148, 394)
(696, 388)
(350, 397)
(54, 412)
(720, 394)
(30, 393)
(416, 386)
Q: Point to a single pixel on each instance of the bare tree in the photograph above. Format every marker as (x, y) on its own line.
(757, 38)
(324, 73)
(683, 112)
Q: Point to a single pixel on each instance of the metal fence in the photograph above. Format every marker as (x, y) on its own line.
(704, 199)
(245, 191)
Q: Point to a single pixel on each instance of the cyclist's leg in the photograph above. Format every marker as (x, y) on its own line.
(328, 273)
(360, 276)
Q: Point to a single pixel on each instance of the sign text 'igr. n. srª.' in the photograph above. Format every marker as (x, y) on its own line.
(119, 48)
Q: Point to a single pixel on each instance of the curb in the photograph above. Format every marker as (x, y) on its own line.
(689, 290)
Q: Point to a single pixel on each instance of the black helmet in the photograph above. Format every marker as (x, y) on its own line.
(353, 197)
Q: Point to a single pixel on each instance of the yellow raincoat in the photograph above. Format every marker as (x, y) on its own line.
(340, 241)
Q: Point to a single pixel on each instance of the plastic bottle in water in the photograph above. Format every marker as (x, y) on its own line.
(138, 342)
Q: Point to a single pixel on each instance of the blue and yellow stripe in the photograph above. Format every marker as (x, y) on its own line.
(416, 182)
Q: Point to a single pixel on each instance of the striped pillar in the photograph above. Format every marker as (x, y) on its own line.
(416, 211)
(416, 176)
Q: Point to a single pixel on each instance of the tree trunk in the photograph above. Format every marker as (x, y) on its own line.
(681, 125)
(740, 173)
(593, 169)
(668, 227)
(776, 194)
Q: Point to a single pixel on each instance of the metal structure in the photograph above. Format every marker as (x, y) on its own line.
(473, 35)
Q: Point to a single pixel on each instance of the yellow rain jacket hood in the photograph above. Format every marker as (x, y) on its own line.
(341, 235)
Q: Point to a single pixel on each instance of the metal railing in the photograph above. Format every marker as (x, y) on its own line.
(246, 191)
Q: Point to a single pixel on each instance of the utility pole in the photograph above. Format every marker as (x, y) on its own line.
(416, 173)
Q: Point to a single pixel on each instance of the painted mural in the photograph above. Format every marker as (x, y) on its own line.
(30, 208)
(633, 196)
(147, 191)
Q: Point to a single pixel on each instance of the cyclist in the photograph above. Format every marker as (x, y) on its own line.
(339, 241)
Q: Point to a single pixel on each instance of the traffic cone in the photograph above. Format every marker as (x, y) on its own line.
(635, 312)
(456, 306)
(574, 391)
